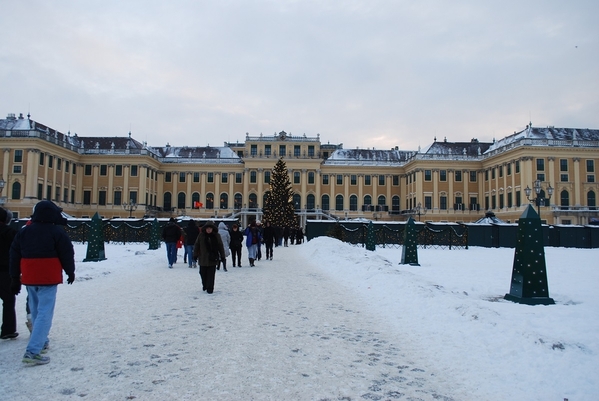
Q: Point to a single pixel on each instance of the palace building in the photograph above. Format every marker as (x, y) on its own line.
(120, 177)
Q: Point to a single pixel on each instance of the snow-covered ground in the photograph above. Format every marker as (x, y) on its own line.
(323, 321)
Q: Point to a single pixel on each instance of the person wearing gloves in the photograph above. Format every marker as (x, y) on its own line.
(38, 255)
(209, 251)
(225, 237)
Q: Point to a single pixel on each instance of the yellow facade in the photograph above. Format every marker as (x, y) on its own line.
(449, 181)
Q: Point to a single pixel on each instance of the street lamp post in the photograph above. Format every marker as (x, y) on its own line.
(538, 199)
(131, 207)
(419, 210)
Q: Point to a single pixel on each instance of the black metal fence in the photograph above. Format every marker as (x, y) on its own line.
(448, 236)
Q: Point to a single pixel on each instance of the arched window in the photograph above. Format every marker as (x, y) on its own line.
(253, 201)
(367, 200)
(381, 200)
(339, 202)
(395, 203)
(16, 190)
(353, 203)
(167, 206)
(209, 200)
(224, 201)
(325, 202)
(238, 201)
(591, 202)
(564, 199)
(195, 200)
(311, 200)
(297, 201)
(181, 201)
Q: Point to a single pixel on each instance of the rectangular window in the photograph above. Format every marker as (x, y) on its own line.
(67, 166)
(253, 150)
(72, 195)
(282, 150)
(563, 164)
(590, 166)
(87, 197)
(492, 173)
(517, 198)
(267, 150)
(296, 177)
(500, 171)
(296, 150)
(540, 164)
(252, 177)
(493, 202)
(224, 178)
(311, 177)
(443, 202)
(428, 202)
(102, 198)
(238, 178)
(267, 177)
(541, 177)
(18, 156)
(457, 176)
(590, 177)
(133, 196)
(58, 164)
(74, 172)
(517, 166)
(66, 195)
(510, 202)
(367, 179)
(196, 176)
(42, 157)
(168, 177)
(17, 169)
(210, 177)
(486, 175)
(396, 180)
(501, 205)
(325, 179)
(353, 179)
(381, 179)
(339, 179)
(509, 169)
(428, 175)
(472, 176)
(88, 169)
(563, 177)
(473, 203)
(103, 169)
(117, 198)
(133, 171)
(443, 175)
(181, 176)
(310, 150)
(50, 161)
(118, 170)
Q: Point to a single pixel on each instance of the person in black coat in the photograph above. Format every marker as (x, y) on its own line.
(269, 239)
(236, 244)
(286, 236)
(170, 235)
(9, 314)
(191, 234)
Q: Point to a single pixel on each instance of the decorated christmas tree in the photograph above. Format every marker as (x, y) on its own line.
(278, 208)
(95, 241)
(154, 235)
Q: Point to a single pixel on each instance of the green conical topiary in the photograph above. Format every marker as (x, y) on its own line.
(95, 241)
(154, 235)
(409, 251)
(529, 273)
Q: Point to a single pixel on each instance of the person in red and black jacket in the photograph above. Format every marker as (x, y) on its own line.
(38, 255)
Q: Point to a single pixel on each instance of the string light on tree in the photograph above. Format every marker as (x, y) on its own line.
(278, 207)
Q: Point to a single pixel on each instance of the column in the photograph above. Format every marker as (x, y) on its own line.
(126, 173)
(31, 173)
(304, 180)
(450, 194)
(577, 194)
(110, 190)
(95, 174)
(78, 186)
(217, 178)
(318, 185)
(435, 188)
(246, 188)
(345, 191)
(188, 180)
(141, 197)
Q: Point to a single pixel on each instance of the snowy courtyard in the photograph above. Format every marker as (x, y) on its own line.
(322, 321)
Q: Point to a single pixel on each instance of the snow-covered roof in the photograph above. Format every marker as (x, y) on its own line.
(210, 154)
(547, 134)
(473, 148)
(368, 156)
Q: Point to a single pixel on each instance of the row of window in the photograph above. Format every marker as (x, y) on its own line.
(563, 165)
(268, 151)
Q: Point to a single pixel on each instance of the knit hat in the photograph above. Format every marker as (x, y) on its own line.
(5, 216)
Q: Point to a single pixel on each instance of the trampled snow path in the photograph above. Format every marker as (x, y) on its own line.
(134, 329)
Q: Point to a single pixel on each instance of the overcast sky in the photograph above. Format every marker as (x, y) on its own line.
(363, 73)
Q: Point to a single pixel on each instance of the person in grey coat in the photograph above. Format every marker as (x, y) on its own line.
(225, 237)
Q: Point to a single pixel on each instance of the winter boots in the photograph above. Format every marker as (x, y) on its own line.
(251, 262)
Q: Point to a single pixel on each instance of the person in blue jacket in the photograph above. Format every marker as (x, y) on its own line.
(252, 241)
(40, 252)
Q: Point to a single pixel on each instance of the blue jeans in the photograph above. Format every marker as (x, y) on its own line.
(41, 300)
(252, 251)
(171, 252)
(189, 252)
